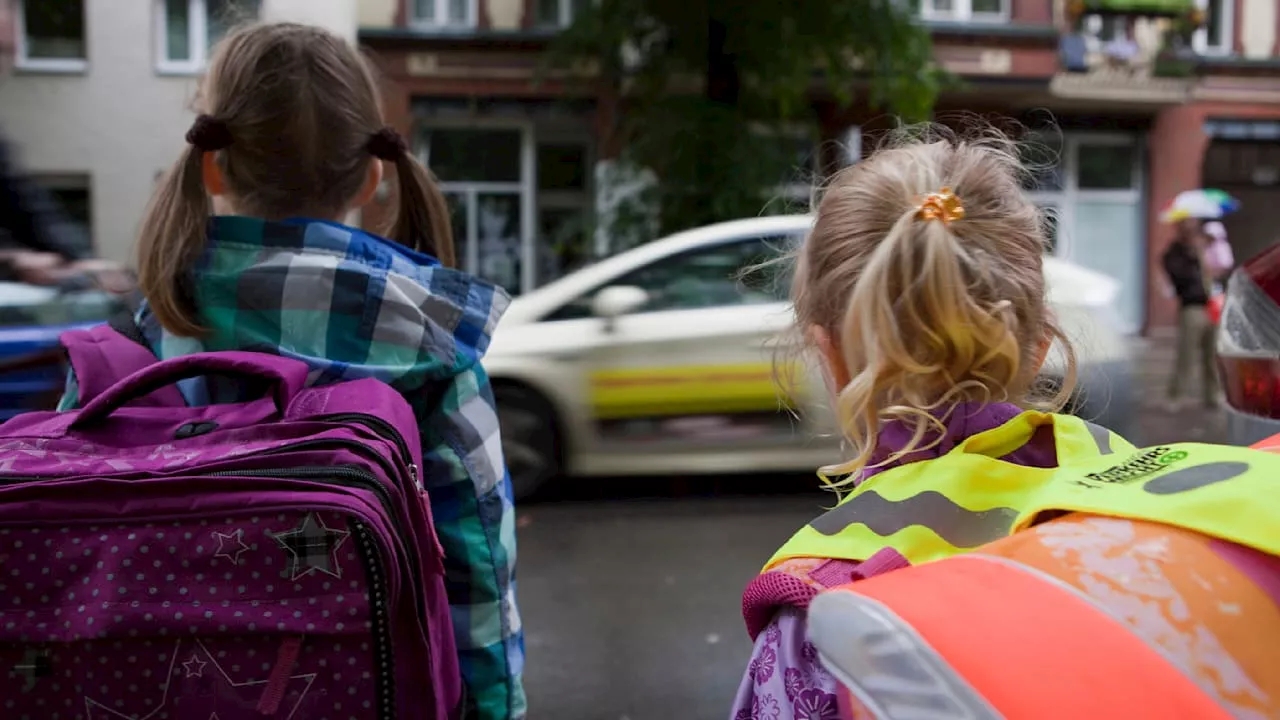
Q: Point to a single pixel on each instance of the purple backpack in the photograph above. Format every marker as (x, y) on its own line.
(268, 559)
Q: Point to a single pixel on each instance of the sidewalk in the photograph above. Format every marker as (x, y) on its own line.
(1154, 357)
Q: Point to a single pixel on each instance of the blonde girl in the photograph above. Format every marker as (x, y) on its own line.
(920, 289)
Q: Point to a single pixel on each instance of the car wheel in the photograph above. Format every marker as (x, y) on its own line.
(529, 439)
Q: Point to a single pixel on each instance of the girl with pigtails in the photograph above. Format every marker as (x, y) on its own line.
(244, 248)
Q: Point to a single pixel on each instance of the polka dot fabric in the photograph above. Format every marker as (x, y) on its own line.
(249, 616)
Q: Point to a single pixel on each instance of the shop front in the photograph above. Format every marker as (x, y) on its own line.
(518, 176)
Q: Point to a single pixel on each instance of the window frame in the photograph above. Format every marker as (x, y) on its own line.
(1200, 38)
(197, 39)
(1066, 198)
(565, 15)
(525, 187)
(962, 11)
(620, 279)
(419, 23)
(50, 65)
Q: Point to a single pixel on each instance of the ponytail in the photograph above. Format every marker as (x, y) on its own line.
(917, 340)
(933, 299)
(171, 239)
(422, 218)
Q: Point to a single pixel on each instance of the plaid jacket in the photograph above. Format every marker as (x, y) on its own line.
(353, 305)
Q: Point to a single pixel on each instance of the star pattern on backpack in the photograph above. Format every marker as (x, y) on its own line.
(194, 667)
(230, 545)
(312, 546)
(95, 710)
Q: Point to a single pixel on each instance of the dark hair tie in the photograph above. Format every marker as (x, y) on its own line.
(209, 134)
(386, 144)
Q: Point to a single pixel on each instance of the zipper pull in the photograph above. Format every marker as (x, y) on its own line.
(417, 480)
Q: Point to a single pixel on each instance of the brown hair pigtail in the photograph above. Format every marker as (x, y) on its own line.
(171, 238)
(422, 220)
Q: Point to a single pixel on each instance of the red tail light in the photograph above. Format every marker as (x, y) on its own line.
(1252, 384)
(1249, 337)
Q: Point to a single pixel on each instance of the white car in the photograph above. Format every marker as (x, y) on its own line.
(664, 359)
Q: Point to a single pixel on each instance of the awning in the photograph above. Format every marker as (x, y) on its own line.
(1244, 130)
(1146, 8)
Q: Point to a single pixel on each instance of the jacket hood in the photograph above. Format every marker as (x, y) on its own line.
(347, 302)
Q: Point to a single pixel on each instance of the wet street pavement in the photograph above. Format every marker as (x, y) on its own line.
(631, 605)
(631, 589)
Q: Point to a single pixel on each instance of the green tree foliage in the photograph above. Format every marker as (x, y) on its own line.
(700, 78)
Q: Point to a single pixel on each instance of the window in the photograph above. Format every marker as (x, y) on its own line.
(559, 13)
(1217, 37)
(732, 274)
(481, 172)
(443, 14)
(965, 10)
(187, 29)
(1105, 166)
(51, 35)
(1042, 160)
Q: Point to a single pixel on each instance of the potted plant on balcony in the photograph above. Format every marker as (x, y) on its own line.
(1176, 57)
(1131, 8)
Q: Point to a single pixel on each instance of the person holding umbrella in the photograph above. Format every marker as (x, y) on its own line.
(1192, 277)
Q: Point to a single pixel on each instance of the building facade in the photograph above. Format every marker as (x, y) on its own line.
(1128, 124)
(101, 93)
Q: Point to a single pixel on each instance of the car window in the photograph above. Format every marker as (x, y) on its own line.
(740, 272)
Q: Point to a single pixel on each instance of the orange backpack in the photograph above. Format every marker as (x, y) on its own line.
(1079, 617)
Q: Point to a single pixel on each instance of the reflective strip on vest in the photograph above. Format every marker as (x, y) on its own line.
(937, 508)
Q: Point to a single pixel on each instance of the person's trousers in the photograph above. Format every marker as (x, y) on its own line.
(1196, 335)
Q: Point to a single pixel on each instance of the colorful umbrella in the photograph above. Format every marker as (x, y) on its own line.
(1202, 204)
(1228, 203)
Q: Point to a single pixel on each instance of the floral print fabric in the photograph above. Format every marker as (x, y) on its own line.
(785, 680)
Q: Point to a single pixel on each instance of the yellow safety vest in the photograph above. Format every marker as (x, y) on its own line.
(966, 498)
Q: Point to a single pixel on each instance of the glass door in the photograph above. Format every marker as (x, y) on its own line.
(484, 174)
(1089, 187)
(1108, 232)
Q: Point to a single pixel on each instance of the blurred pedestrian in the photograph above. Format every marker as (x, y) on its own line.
(921, 288)
(1217, 253)
(1192, 280)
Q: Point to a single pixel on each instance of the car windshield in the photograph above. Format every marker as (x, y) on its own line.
(23, 305)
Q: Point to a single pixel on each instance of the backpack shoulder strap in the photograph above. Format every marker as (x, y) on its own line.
(104, 355)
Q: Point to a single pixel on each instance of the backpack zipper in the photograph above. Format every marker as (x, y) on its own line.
(388, 431)
(384, 685)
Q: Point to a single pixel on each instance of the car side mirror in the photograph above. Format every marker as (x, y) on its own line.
(616, 301)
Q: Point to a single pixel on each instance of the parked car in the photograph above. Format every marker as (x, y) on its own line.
(663, 359)
(32, 317)
(1249, 349)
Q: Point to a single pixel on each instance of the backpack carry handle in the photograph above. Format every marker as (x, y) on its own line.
(287, 378)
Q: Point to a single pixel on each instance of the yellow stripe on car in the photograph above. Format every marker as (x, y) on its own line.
(686, 390)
